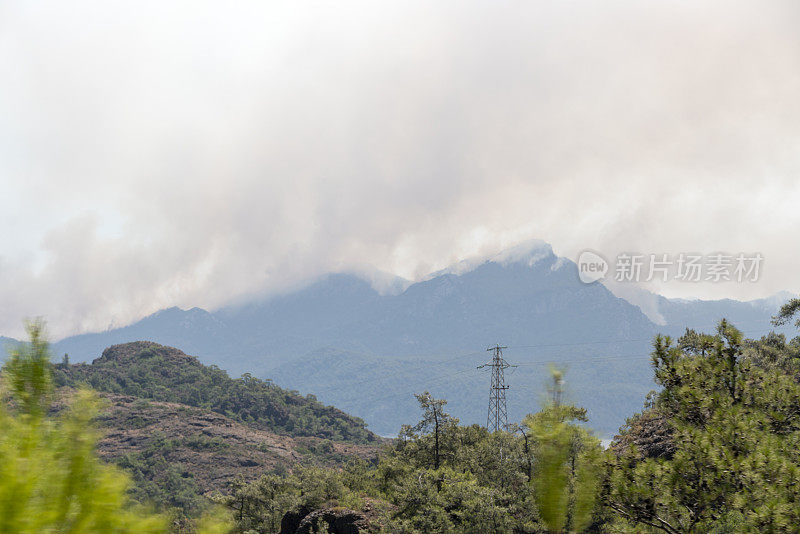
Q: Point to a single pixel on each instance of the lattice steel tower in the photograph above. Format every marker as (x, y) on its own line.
(497, 418)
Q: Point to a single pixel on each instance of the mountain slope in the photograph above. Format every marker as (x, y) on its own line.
(196, 331)
(368, 351)
(527, 298)
(6, 344)
(531, 302)
(753, 317)
(177, 454)
(152, 371)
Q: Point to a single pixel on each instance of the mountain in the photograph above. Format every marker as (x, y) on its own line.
(185, 431)
(5, 341)
(366, 342)
(196, 331)
(6, 344)
(752, 317)
(529, 298)
(148, 370)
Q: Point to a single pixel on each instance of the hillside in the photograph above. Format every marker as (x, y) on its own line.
(179, 454)
(151, 371)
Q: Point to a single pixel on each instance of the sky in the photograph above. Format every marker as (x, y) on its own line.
(193, 153)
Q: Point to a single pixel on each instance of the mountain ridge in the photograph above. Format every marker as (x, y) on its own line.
(152, 371)
(526, 297)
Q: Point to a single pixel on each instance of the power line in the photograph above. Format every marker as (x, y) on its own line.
(497, 417)
(491, 424)
(441, 377)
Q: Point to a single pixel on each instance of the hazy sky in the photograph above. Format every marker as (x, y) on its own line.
(186, 153)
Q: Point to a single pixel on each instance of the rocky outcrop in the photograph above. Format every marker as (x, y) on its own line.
(291, 519)
(648, 433)
(335, 520)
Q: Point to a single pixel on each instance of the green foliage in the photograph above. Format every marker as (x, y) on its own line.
(696, 343)
(774, 352)
(479, 485)
(735, 419)
(152, 371)
(787, 311)
(568, 464)
(717, 449)
(260, 505)
(27, 372)
(435, 423)
(50, 477)
(446, 500)
(201, 442)
(158, 480)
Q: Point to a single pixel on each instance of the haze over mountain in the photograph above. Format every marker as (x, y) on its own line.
(367, 351)
(5, 344)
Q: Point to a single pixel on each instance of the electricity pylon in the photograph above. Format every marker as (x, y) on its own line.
(497, 418)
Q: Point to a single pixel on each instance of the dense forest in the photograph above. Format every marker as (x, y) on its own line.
(716, 448)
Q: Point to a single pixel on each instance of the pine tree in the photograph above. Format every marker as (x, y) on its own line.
(568, 464)
(735, 431)
(435, 421)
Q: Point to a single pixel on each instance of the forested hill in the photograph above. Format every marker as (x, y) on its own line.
(152, 371)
